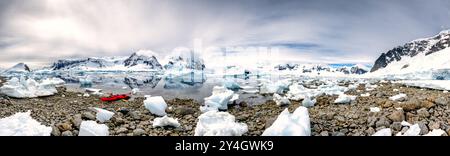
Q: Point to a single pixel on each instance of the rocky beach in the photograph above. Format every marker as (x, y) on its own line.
(65, 111)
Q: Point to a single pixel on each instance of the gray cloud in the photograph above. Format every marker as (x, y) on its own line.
(324, 31)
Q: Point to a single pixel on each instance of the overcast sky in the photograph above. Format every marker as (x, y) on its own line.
(318, 31)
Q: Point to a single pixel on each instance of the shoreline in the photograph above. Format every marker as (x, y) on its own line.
(65, 110)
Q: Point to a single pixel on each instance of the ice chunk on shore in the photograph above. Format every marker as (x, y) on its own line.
(404, 123)
(344, 99)
(383, 132)
(281, 101)
(231, 84)
(94, 91)
(375, 109)
(307, 102)
(214, 123)
(218, 100)
(365, 95)
(103, 115)
(165, 121)
(21, 88)
(435, 132)
(22, 124)
(399, 97)
(287, 124)
(414, 130)
(156, 105)
(277, 87)
(54, 81)
(91, 128)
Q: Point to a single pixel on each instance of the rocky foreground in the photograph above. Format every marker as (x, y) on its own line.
(65, 111)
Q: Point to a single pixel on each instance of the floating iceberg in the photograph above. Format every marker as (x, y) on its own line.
(103, 115)
(344, 99)
(91, 128)
(281, 101)
(218, 100)
(21, 88)
(383, 132)
(287, 124)
(399, 97)
(231, 84)
(214, 123)
(22, 124)
(156, 105)
(165, 121)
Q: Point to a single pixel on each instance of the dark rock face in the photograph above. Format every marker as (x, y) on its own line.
(411, 49)
(136, 59)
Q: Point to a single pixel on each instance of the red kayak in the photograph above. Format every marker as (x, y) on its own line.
(115, 98)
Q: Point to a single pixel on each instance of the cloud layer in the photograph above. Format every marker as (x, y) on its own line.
(320, 31)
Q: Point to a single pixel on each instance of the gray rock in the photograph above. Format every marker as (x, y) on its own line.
(397, 116)
(382, 122)
(397, 126)
(339, 118)
(324, 133)
(67, 133)
(441, 101)
(423, 128)
(434, 125)
(76, 120)
(122, 130)
(337, 134)
(184, 111)
(135, 115)
(88, 115)
(55, 131)
(269, 122)
(423, 113)
(138, 132)
(371, 120)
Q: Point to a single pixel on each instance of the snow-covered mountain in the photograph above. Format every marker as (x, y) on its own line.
(421, 55)
(184, 61)
(18, 68)
(323, 68)
(138, 61)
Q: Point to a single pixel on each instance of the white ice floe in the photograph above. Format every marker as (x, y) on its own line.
(86, 95)
(85, 81)
(344, 99)
(231, 84)
(435, 132)
(430, 84)
(413, 130)
(27, 88)
(383, 132)
(404, 123)
(307, 102)
(398, 97)
(375, 109)
(165, 121)
(94, 91)
(280, 100)
(299, 92)
(277, 87)
(22, 124)
(103, 115)
(395, 90)
(352, 87)
(156, 105)
(54, 81)
(214, 123)
(365, 95)
(92, 128)
(218, 100)
(287, 124)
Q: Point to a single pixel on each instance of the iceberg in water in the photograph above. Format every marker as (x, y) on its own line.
(218, 100)
(287, 124)
(277, 87)
(165, 121)
(214, 123)
(156, 105)
(91, 128)
(22, 124)
(27, 88)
